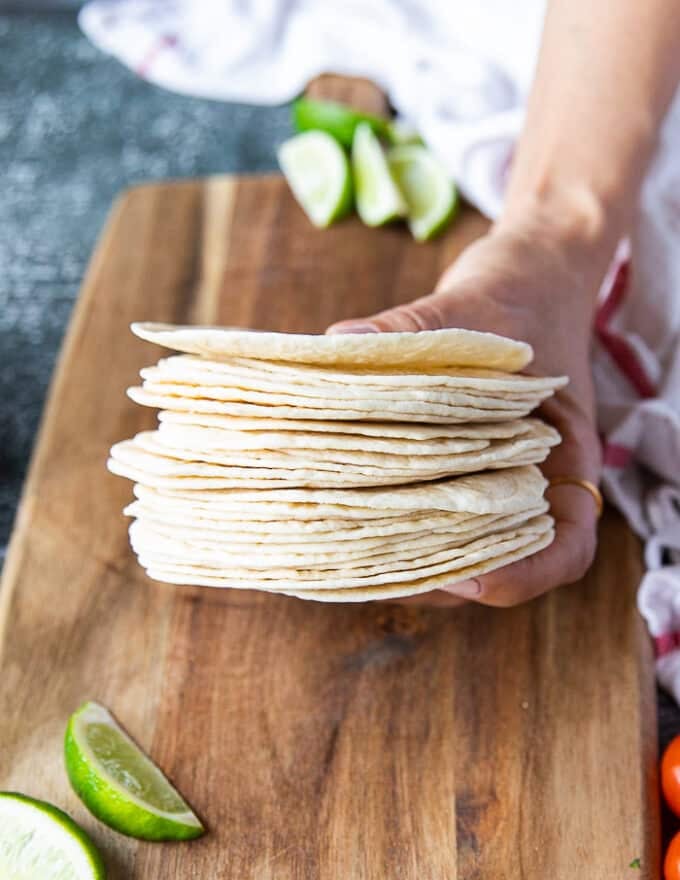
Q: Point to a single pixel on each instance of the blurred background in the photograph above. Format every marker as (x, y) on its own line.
(76, 127)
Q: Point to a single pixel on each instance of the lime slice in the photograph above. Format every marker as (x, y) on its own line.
(377, 196)
(39, 842)
(431, 196)
(119, 784)
(336, 119)
(317, 170)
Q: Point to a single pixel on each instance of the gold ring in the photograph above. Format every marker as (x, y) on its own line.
(584, 484)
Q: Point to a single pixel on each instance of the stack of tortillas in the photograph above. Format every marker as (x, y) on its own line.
(337, 468)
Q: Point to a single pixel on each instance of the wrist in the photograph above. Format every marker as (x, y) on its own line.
(575, 225)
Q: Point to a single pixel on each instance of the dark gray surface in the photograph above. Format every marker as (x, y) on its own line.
(75, 128)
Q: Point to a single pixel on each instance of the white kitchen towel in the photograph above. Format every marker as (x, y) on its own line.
(460, 72)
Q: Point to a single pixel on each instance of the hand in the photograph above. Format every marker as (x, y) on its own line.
(530, 284)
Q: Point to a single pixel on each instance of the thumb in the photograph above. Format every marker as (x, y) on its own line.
(426, 313)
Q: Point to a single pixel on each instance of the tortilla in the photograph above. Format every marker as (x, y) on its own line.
(424, 585)
(504, 491)
(259, 372)
(455, 456)
(195, 384)
(155, 464)
(421, 350)
(187, 436)
(370, 576)
(356, 430)
(144, 460)
(368, 594)
(192, 399)
(205, 524)
(185, 542)
(337, 468)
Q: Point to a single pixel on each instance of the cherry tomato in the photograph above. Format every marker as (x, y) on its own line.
(671, 865)
(670, 775)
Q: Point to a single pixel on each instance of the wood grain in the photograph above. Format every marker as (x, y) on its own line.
(360, 93)
(317, 742)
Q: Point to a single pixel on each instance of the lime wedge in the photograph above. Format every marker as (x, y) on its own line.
(377, 196)
(39, 842)
(317, 170)
(334, 118)
(119, 784)
(430, 194)
(401, 132)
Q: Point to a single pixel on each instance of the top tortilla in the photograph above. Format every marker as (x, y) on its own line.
(421, 350)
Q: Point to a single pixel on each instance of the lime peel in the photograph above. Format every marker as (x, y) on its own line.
(38, 840)
(119, 784)
(338, 120)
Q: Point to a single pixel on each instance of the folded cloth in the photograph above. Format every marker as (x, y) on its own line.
(460, 72)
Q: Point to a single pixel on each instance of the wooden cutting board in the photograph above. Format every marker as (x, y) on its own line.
(317, 742)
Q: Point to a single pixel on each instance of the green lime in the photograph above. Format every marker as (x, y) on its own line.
(39, 842)
(119, 784)
(401, 132)
(429, 192)
(377, 195)
(334, 118)
(317, 170)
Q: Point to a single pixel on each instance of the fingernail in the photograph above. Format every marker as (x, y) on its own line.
(353, 328)
(466, 589)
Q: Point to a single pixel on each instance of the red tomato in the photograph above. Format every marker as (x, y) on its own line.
(670, 775)
(671, 865)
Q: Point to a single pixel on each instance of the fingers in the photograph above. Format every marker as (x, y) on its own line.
(461, 306)
(569, 556)
(425, 313)
(566, 560)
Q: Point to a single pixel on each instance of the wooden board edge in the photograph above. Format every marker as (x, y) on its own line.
(147, 186)
(650, 795)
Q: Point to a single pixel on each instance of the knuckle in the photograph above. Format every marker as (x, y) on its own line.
(583, 553)
(508, 599)
(501, 591)
(537, 574)
(420, 315)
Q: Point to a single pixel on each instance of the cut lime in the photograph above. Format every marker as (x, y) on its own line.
(334, 118)
(430, 194)
(317, 170)
(401, 132)
(119, 784)
(377, 196)
(39, 842)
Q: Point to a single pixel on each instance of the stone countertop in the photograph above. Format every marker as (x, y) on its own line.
(76, 127)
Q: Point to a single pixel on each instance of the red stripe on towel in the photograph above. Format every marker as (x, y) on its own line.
(619, 349)
(616, 456)
(162, 43)
(666, 643)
